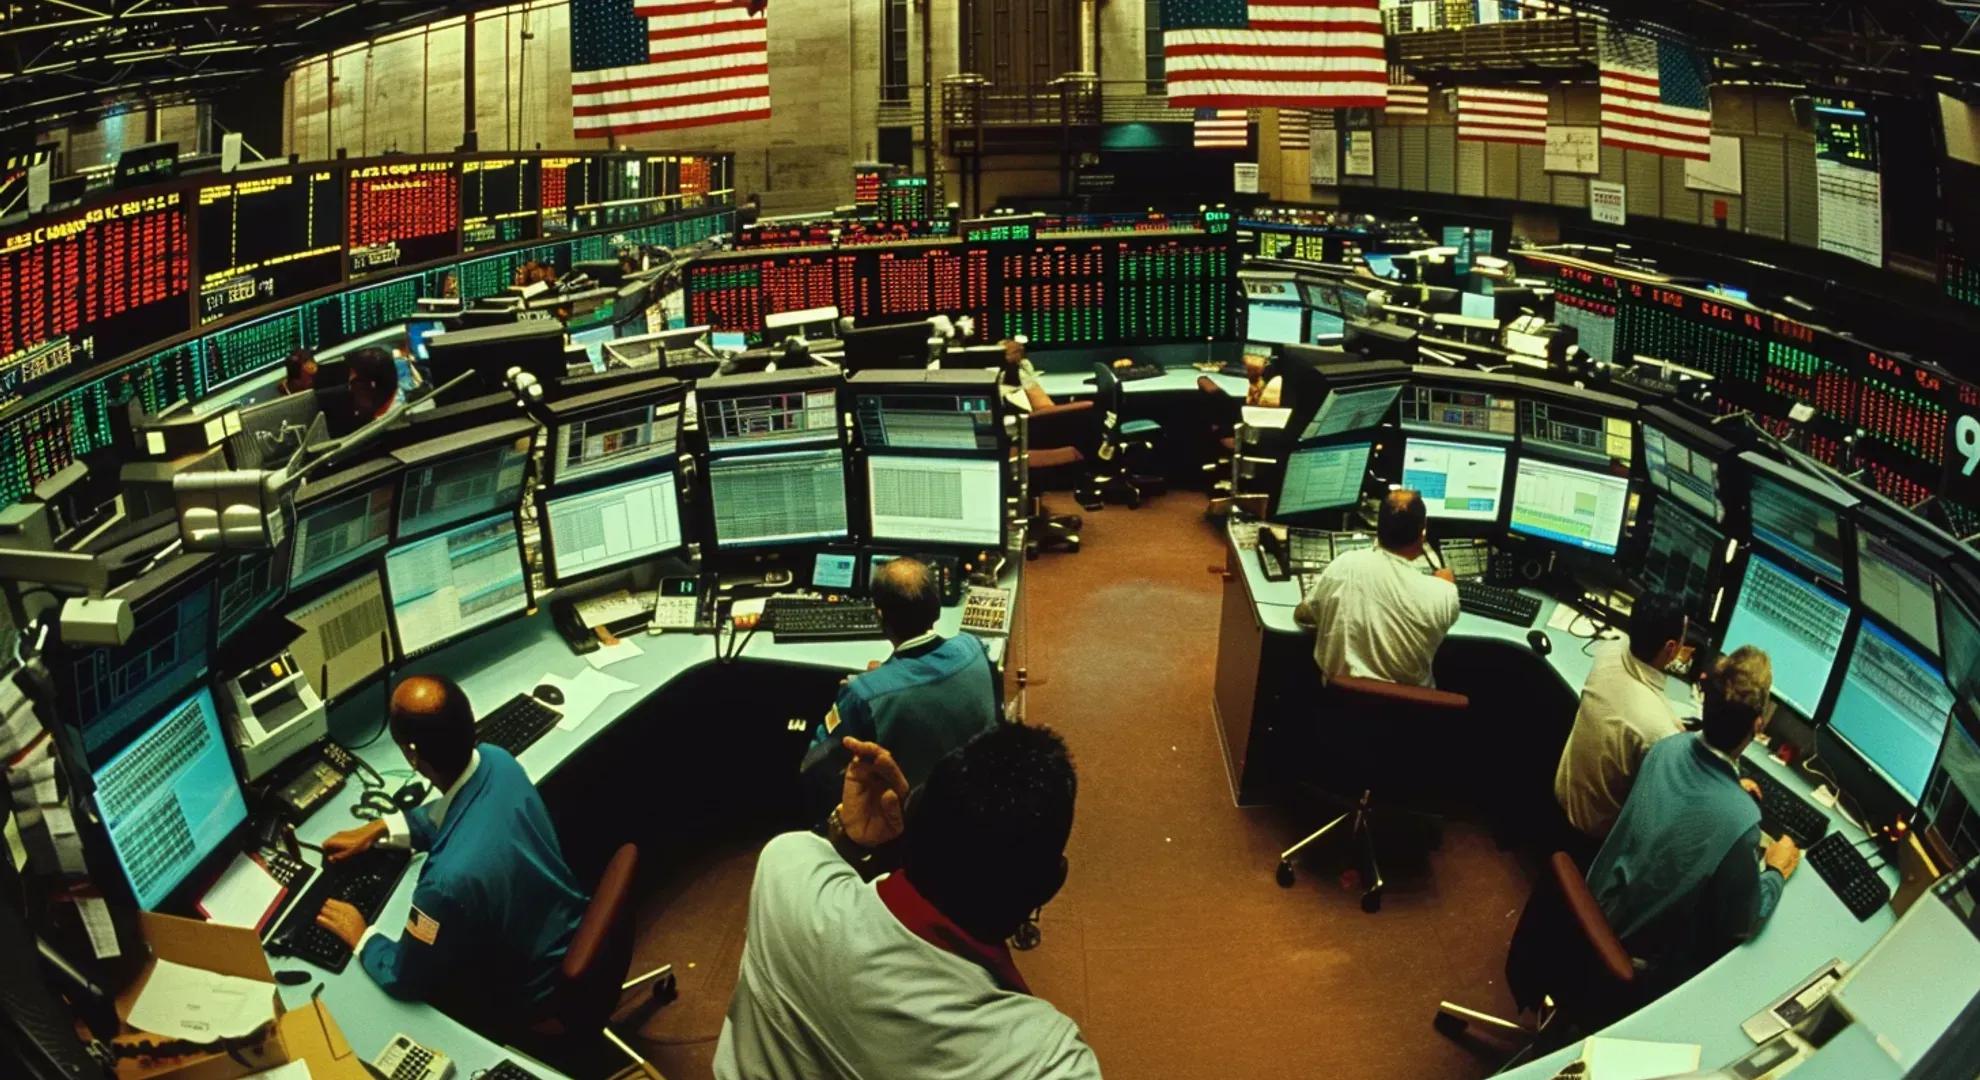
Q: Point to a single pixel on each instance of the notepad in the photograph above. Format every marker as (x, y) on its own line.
(1634, 1059)
(245, 895)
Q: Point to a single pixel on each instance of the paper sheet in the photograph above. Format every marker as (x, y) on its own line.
(583, 694)
(608, 655)
(181, 1002)
(1634, 1059)
(294, 1070)
(244, 895)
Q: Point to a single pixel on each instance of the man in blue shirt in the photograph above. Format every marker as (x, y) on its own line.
(496, 905)
(1677, 877)
(931, 696)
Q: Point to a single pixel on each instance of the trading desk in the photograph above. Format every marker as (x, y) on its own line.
(1808, 929)
(493, 666)
(1176, 378)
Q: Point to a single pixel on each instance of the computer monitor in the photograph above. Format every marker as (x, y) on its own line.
(729, 340)
(1324, 328)
(346, 637)
(1459, 481)
(1892, 707)
(1273, 322)
(898, 346)
(605, 528)
(469, 475)
(1797, 622)
(1351, 408)
(935, 500)
(268, 428)
(536, 346)
(1384, 341)
(110, 690)
(245, 587)
(1679, 560)
(789, 497)
(1682, 468)
(1952, 795)
(811, 324)
(593, 435)
(1321, 478)
(454, 582)
(924, 417)
(170, 798)
(763, 412)
(1579, 508)
(1478, 306)
(1798, 515)
(339, 530)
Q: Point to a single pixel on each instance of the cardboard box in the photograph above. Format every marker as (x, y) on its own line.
(228, 950)
(311, 1034)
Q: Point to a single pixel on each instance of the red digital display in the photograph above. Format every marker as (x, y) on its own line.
(916, 284)
(866, 186)
(1904, 409)
(726, 295)
(797, 282)
(402, 214)
(694, 176)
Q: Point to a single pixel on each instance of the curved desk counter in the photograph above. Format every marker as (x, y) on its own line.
(492, 667)
(1809, 928)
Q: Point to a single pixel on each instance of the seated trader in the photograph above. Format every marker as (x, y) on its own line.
(1378, 615)
(910, 975)
(1677, 877)
(299, 372)
(1018, 372)
(1623, 710)
(1259, 387)
(931, 696)
(495, 906)
(375, 384)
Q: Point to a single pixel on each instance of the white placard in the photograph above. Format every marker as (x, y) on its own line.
(1607, 203)
(230, 151)
(1244, 177)
(38, 174)
(1574, 149)
(1849, 211)
(1360, 153)
(1323, 168)
(1720, 175)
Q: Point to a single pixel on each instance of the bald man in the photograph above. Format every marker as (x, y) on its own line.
(931, 696)
(1376, 614)
(496, 905)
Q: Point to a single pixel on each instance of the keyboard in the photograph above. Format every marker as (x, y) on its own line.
(1136, 372)
(364, 881)
(794, 618)
(1782, 812)
(516, 724)
(508, 1070)
(1495, 602)
(1849, 875)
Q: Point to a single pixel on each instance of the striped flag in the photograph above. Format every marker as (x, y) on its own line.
(1292, 53)
(1490, 114)
(653, 65)
(1407, 97)
(1654, 97)
(1221, 129)
(1295, 129)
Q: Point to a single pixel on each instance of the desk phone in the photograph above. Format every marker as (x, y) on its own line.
(679, 604)
(404, 1059)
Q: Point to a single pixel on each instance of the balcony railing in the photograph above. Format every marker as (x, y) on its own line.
(973, 101)
(1528, 45)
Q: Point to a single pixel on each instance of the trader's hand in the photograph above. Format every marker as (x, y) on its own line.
(870, 805)
(1752, 788)
(342, 920)
(872, 664)
(1783, 855)
(1445, 573)
(343, 845)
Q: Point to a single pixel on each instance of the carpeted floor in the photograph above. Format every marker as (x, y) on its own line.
(1171, 946)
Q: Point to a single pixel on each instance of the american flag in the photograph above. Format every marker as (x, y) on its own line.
(1654, 97)
(652, 65)
(1407, 97)
(1291, 53)
(1221, 129)
(1295, 129)
(1490, 114)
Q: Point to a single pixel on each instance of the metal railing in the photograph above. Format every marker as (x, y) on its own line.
(1530, 43)
(969, 100)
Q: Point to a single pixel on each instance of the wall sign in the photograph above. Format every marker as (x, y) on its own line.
(1574, 149)
(1607, 203)
(1360, 153)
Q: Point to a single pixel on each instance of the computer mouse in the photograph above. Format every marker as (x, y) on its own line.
(548, 694)
(293, 976)
(1541, 643)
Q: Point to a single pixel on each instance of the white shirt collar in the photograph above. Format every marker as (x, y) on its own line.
(1731, 761)
(918, 641)
(447, 799)
(1649, 676)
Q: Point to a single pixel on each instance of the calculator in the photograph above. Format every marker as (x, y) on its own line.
(987, 610)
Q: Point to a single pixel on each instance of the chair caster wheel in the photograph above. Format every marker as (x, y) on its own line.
(1371, 901)
(1030, 552)
(1285, 874)
(1073, 545)
(1027, 937)
(665, 990)
(1134, 502)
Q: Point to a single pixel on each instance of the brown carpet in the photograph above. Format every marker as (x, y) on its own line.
(1171, 946)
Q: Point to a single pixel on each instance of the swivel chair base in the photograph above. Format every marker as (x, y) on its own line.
(1361, 820)
(1045, 531)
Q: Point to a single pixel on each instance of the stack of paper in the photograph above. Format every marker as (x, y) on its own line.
(1634, 1059)
(245, 895)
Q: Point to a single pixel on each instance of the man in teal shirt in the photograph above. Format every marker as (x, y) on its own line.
(1677, 877)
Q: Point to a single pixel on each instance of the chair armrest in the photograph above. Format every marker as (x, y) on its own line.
(1592, 924)
(1423, 697)
(1062, 424)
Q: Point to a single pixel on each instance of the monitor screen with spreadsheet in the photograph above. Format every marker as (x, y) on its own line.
(611, 526)
(472, 484)
(935, 500)
(1790, 517)
(111, 690)
(345, 636)
(1679, 557)
(1348, 409)
(964, 422)
(1896, 587)
(1799, 625)
(170, 798)
(777, 418)
(628, 434)
(246, 586)
(786, 498)
(1458, 481)
(1892, 707)
(1687, 475)
(1272, 322)
(1581, 508)
(340, 531)
(1322, 478)
(445, 585)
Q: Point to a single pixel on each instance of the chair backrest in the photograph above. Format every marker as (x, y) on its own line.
(1608, 958)
(1107, 388)
(1564, 948)
(1374, 693)
(1073, 424)
(595, 965)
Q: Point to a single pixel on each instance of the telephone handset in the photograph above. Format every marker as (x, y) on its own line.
(314, 778)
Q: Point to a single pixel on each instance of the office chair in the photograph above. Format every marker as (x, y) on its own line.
(1061, 441)
(1566, 966)
(592, 978)
(1368, 714)
(1122, 443)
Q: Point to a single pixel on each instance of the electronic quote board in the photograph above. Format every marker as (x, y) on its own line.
(499, 202)
(402, 213)
(554, 188)
(89, 286)
(268, 237)
(1173, 289)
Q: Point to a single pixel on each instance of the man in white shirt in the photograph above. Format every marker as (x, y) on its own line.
(1378, 615)
(910, 975)
(1623, 710)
